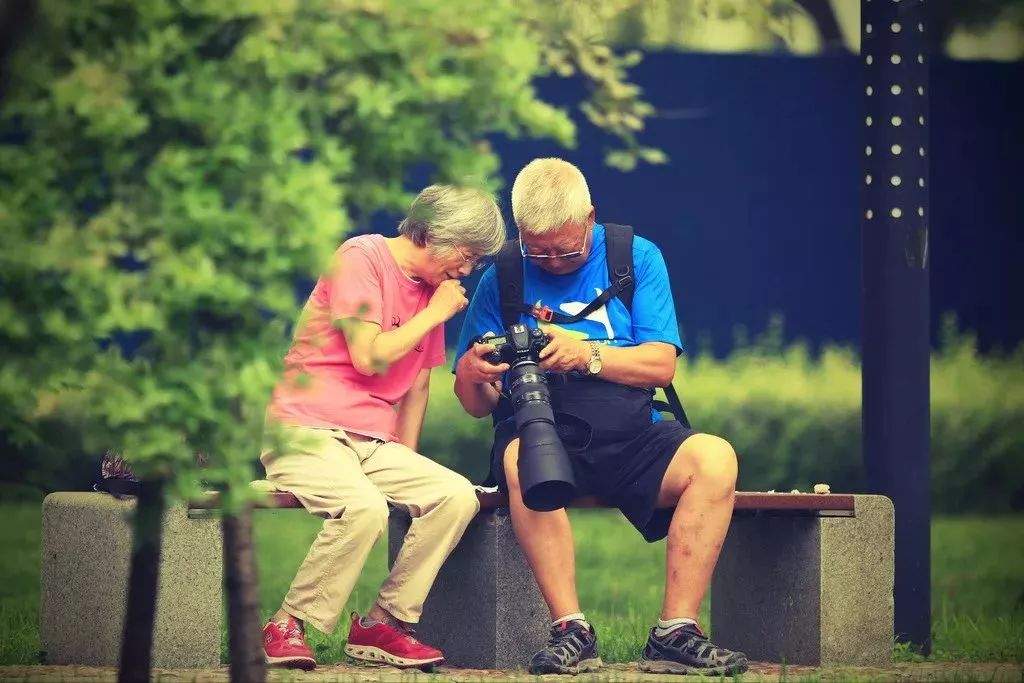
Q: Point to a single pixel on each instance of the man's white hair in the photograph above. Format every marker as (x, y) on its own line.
(548, 193)
(447, 217)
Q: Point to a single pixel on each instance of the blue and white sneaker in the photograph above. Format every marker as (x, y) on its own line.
(572, 649)
(686, 650)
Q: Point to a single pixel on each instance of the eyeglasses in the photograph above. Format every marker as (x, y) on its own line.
(546, 257)
(475, 262)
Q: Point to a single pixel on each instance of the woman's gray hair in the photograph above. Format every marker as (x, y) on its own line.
(547, 194)
(446, 216)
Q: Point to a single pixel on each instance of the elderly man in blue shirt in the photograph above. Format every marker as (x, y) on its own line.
(665, 478)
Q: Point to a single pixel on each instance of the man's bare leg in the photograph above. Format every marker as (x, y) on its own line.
(701, 484)
(546, 538)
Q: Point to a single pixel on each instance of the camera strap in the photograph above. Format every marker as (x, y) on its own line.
(619, 257)
(552, 316)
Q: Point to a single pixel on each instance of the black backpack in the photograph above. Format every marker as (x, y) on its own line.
(619, 249)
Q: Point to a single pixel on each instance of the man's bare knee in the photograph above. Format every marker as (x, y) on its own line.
(715, 464)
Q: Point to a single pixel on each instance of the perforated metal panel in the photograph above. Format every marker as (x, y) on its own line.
(896, 123)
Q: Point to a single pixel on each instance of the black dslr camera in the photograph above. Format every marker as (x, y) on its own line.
(545, 475)
(519, 343)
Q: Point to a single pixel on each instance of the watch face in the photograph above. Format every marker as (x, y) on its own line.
(595, 366)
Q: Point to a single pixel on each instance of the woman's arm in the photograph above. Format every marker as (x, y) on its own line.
(412, 409)
(372, 349)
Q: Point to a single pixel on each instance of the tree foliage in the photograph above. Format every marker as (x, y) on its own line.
(169, 170)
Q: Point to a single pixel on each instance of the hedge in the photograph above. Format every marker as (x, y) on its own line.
(794, 419)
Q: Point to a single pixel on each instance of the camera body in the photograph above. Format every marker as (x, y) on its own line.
(545, 473)
(519, 343)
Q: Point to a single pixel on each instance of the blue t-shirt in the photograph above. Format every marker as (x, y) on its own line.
(653, 315)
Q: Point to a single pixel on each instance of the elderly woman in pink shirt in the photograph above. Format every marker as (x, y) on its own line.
(348, 412)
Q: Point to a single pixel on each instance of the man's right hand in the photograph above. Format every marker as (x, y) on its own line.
(476, 369)
(448, 299)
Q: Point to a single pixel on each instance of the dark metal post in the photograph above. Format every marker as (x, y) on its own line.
(894, 243)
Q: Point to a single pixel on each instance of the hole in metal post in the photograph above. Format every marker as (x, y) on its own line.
(916, 248)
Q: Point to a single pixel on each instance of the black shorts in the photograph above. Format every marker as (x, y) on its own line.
(625, 470)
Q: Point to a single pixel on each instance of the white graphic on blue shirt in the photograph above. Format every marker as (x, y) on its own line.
(652, 317)
(599, 316)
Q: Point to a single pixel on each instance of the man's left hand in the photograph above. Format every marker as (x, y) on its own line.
(564, 353)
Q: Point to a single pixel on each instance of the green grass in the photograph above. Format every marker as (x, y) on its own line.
(977, 582)
(978, 588)
(19, 582)
(794, 418)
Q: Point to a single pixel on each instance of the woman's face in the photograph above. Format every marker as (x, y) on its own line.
(444, 263)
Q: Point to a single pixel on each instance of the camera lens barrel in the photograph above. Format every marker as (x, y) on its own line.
(545, 474)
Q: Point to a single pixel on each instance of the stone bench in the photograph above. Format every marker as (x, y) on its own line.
(802, 578)
(87, 547)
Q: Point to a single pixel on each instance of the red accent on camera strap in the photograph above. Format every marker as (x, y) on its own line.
(542, 313)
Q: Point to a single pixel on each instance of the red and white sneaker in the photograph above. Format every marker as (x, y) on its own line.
(284, 644)
(381, 643)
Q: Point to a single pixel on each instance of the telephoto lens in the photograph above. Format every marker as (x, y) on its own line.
(545, 474)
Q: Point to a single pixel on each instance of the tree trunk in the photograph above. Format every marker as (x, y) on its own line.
(245, 641)
(137, 641)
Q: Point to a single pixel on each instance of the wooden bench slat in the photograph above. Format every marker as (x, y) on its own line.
(810, 502)
(746, 501)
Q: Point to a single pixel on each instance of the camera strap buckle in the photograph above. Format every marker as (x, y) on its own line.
(542, 313)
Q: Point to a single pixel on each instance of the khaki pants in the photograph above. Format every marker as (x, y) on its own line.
(349, 480)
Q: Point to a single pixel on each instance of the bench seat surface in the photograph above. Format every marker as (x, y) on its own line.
(751, 501)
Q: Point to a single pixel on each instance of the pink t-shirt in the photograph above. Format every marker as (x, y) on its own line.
(320, 386)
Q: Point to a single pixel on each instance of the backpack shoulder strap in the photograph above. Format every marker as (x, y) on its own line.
(619, 248)
(509, 266)
(619, 257)
(619, 245)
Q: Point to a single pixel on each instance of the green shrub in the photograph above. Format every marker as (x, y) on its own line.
(794, 419)
(170, 171)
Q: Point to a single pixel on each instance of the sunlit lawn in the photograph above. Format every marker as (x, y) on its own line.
(977, 582)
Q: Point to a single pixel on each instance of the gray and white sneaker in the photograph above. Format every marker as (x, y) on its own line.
(686, 650)
(572, 649)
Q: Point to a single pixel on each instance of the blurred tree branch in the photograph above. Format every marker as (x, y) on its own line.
(168, 171)
(15, 21)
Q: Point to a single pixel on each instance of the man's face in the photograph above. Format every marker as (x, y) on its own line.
(562, 250)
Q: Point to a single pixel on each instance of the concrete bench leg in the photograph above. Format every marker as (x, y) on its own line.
(485, 610)
(87, 543)
(808, 590)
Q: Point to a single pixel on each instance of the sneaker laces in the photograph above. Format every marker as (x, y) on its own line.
(292, 631)
(694, 640)
(410, 634)
(566, 640)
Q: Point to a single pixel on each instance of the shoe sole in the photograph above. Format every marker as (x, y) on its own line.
(664, 666)
(583, 667)
(368, 653)
(304, 663)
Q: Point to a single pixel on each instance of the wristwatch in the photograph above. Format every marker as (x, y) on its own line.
(594, 366)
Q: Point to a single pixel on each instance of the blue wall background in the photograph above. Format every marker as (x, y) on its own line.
(758, 210)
